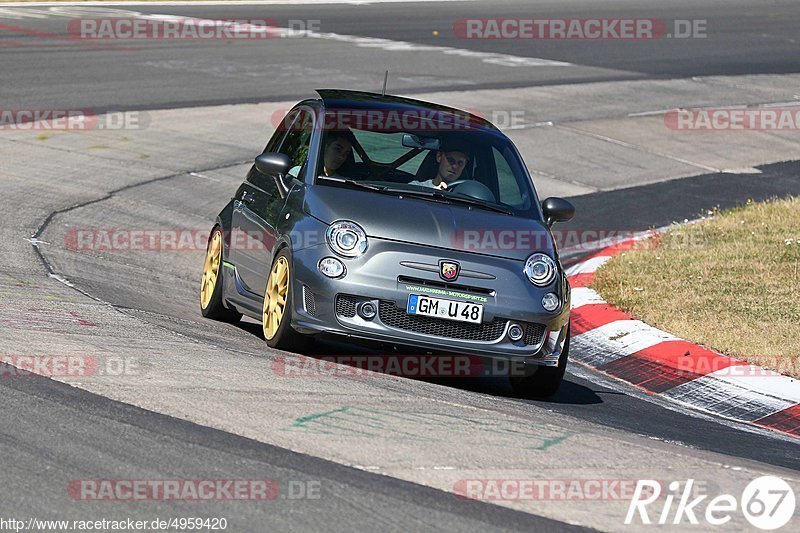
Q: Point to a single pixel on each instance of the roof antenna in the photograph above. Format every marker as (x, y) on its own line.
(385, 79)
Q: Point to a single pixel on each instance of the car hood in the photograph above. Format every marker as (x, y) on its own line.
(431, 223)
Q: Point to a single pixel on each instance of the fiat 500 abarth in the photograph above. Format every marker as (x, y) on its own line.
(391, 220)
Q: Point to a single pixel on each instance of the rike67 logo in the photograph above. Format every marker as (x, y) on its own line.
(767, 502)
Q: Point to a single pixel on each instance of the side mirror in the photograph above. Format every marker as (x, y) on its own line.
(557, 210)
(276, 165)
(273, 163)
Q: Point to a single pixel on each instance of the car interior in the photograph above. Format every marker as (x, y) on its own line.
(417, 164)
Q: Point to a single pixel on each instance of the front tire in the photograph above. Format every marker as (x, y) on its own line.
(211, 299)
(543, 381)
(276, 320)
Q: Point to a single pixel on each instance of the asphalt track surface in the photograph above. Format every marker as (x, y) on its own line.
(53, 433)
(41, 68)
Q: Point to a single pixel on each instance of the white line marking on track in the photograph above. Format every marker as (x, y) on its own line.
(650, 113)
(637, 147)
(18, 14)
(390, 45)
(198, 175)
(64, 10)
(62, 280)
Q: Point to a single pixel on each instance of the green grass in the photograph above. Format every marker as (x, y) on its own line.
(730, 282)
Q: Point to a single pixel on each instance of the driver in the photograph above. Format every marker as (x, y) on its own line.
(338, 146)
(450, 166)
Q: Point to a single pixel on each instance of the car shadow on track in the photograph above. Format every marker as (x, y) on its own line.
(569, 393)
(357, 356)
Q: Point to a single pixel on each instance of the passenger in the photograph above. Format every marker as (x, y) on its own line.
(451, 165)
(338, 147)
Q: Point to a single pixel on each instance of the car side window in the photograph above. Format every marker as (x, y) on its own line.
(267, 183)
(297, 141)
(280, 132)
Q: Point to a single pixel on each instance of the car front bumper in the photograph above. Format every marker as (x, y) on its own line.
(390, 271)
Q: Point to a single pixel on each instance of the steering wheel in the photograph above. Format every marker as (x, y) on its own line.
(472, 188)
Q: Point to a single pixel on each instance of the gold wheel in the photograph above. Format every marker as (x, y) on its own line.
(275, 297)
(211, 269)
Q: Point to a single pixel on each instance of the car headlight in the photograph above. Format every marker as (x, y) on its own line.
(346, 238)
(540, 269)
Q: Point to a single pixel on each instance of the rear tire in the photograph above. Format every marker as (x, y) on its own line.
(543, 381)
(211, 299)
(276, 316)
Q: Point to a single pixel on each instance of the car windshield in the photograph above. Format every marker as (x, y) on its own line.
(471, 167)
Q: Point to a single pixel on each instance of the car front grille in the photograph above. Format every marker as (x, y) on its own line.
(346, 305)
(534, 333)
(395, 317)
(309, 301)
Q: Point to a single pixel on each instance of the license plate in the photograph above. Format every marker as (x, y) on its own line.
(419, 304)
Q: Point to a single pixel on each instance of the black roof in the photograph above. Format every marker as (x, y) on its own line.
(342, 98)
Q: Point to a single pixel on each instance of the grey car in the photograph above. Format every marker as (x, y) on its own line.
(384, 219)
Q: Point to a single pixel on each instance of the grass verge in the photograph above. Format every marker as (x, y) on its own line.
(730, 282)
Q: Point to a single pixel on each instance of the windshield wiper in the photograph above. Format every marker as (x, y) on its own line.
(470, 201)
(433, 196)
(352, 182)
(438, 196)
(393, 191)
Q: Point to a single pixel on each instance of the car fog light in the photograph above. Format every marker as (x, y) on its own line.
(515, 332)
(550, 301)
(367, 311)
(331, 267)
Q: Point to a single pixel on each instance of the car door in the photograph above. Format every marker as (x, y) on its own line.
(258, 206)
